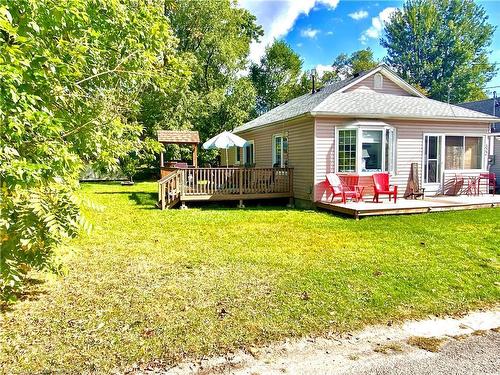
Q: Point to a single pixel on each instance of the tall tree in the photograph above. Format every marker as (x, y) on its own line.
(72, 74)
(441, 46)
(218, 34)
(277, 78)
(345, 66)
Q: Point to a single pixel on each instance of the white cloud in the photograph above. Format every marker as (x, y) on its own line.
(277, 18)
(299, 45)
(321, 69)
(375, 30)
(359, 15)
(332, 4)
(329, 33)
(309, 33)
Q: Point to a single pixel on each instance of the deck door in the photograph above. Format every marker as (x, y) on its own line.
(432, 166)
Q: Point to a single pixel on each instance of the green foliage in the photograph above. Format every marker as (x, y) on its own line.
(329, 77)
(441, 46)
(71, 75)
(348, 65)
(217, 34)
(278, 77)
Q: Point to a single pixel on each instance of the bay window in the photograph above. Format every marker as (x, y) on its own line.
(372, 150)
(366, 149)
(347, 150)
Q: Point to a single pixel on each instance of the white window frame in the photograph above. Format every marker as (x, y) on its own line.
(245, 161)
(238, 151)
(483, 153)
(359, 147)
(441, 160)
(445, 171)
(281, 135)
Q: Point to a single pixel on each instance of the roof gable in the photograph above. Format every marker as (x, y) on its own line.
(388, 74)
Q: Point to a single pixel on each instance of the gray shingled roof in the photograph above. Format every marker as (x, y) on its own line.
(295, 107)
(362, 103)
(369, 103)
(484, 106)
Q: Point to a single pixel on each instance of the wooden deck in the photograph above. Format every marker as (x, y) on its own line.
(407, 206)
(224, 184)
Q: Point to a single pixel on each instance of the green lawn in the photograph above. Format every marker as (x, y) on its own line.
(150, 285)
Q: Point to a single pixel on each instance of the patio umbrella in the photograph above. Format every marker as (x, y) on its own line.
(224, 140)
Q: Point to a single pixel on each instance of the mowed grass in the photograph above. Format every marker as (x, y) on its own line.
(148, 285)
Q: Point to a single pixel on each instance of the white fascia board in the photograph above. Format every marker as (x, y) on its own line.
(399, 117)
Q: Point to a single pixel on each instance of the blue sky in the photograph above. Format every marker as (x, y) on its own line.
(319, 30)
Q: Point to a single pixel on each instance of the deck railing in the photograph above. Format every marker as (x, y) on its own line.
(169, 189)
(225, 184)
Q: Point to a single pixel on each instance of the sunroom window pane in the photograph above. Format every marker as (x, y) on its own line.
(277, 151)
(473, 154)
(372, 150)
(285, 152)
(454, 152)
(347, 151)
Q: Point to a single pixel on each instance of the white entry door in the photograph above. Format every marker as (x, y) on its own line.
(432, 166)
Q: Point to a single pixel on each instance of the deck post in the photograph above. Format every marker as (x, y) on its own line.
(240, 181)
(159, 195)
(240, 204)
(163, 192)
(183, 180)
(195, 155)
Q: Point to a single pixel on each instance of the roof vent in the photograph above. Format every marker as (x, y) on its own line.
(378, 81)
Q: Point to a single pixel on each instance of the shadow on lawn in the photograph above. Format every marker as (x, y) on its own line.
(32, 291)
(250, 205)
(144, 199)
(141, 198)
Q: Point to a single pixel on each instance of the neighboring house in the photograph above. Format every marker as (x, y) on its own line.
(369, 123)
(490, 107)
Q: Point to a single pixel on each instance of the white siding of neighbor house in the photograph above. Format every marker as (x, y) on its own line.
(300, 151)
(409, 149)
(388, 87)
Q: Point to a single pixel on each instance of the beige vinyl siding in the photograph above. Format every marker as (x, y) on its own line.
(231, 155)
(389, 87)
(300, 151)
(324, 154)
(409, 149)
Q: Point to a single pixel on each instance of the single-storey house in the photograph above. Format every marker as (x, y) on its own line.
(491, 107)
(369, 123)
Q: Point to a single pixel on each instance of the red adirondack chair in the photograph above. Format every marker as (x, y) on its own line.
(338, 188)
(381, 186)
